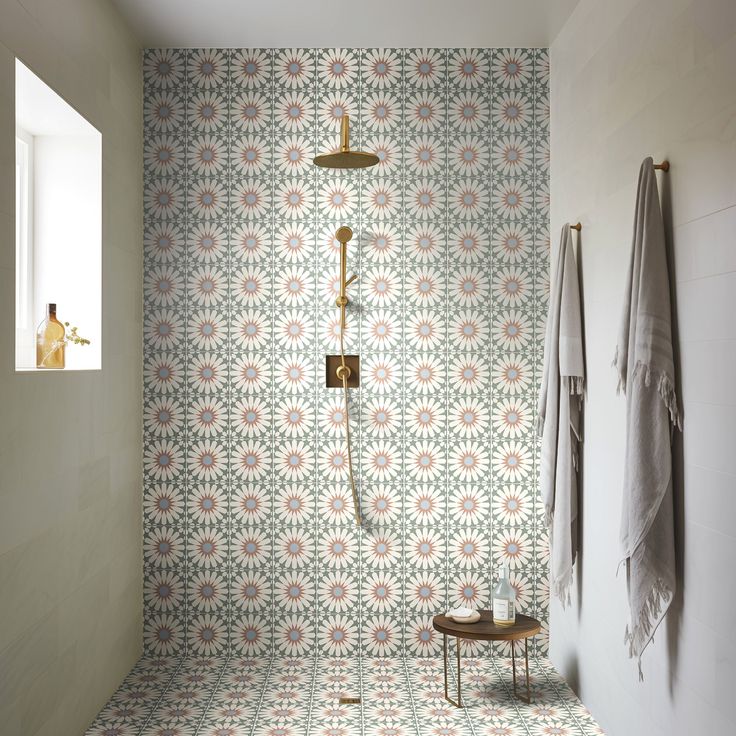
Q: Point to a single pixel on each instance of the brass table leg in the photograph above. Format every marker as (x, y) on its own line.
(459, 703)
(528, 698)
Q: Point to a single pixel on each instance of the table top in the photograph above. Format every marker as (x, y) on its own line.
(486, 630)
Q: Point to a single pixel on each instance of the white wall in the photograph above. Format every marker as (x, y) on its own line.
(629, 79)
(70, 448)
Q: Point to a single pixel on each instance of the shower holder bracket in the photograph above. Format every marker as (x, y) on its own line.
(332, 362)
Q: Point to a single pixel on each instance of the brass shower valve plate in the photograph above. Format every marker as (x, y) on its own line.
(332, 362)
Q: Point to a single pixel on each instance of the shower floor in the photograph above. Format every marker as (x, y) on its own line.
(295, 697)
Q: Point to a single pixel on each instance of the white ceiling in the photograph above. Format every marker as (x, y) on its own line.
(346, 23)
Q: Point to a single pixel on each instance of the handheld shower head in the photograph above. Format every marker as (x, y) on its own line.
(345, 158)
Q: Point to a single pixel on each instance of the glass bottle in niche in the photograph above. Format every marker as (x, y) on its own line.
(50, 341)
(504, 600)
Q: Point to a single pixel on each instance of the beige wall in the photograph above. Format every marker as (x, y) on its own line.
(632, 78)
(70, 487)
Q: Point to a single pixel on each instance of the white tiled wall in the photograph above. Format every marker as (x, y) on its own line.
(631, 79)
(70, 499)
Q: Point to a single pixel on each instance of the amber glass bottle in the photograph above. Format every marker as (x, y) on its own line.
(50, 341)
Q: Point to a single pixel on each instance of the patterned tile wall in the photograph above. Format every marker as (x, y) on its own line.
(249, 541)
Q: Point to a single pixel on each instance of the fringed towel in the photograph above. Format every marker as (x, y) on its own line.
(646, 373)
(560, 404)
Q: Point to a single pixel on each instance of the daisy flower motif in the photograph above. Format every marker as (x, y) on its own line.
(338, 68)
(293, 329)
(382, 374)
(380, 286)
(251, 547)
(336, 504)
(295, 244)
(424, 287)
(250, 286)
(207, 199)
(206, 416)
(381, 68)
(294, 460)
(250, 198)
(468, 418)
(425, 112)
(207, 68)
(382, 330)
(162, 503)
(380, 243)
(425, 155)
(163, 286)
(163, 591)
(338, 549)
(469, 287)
(207, 591)
(512, 417)
(512, 330)
(330, 112)
(424, 504)
(380, 591)
(207, 547)
(207, 329)
(163, 374)
(250, 67)
(163, 199)
(294, 67)
(206, 112)
(425, 243)
(251, 635)
(512, 461)
(468, 155)
(338, 592)
(425, 330)
(425, 548)
(381, 199)
(468, 199)
(468, 112)
(294, 591)
(424, 199)
(512, 155)
(424, 591)
(251, 373)
(514, 547)
(294, 112)
(332, 417)
(382, 549)
(468, 461)
(250, 416)
(163, 67)
(251, 590)
(207, 155)
(338, 635)
(293, 417)
(512, 243)
(293, 199)
(206, 459)
(293, 503)
(293, 155)
(541, 112)
(542, 156)
(163, 547)
(380, 112)
(206, 504)
(381, 461)
(163, 634)
(251, 504)
(163, 242)
(425, 461)
(294, 636)
(542, 198)
(333, 461)
(424, 417)
(381, 505)
(511, 68)
(163, 112)
(251, 329)
(250, 111)
(512, 505)
(421, 637)
(250, 155)
(251, 460)
(293, 374)
(206, 242)
(512, 374)
(468, 243)
(425, 67)
(512, 199)
(469, 590)
(163, 460)
(468, 330)
(388, 151)
(512, 112)
(207, 286)
(425, 374)
(468, 374)
(468, 504)
(467, 68)
(163, 155)
(337, 198)
(381, 417)
(468, 549)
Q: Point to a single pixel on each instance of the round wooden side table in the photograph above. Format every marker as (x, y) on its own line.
(486, 630)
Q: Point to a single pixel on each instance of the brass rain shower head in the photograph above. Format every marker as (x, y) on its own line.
(345, 158)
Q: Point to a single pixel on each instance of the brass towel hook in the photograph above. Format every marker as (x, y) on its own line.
(664, 166)
(577, 226)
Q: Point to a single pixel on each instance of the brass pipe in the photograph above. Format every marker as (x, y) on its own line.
(345, 135)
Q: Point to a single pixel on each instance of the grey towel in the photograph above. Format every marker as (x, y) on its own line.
(646, 373)
(560, 405)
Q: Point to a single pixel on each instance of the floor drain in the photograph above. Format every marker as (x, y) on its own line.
(349, 701)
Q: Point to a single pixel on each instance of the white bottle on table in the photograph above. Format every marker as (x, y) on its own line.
(504, 600)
